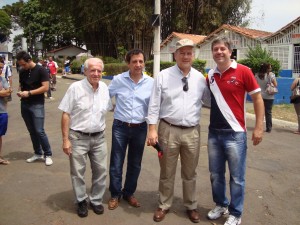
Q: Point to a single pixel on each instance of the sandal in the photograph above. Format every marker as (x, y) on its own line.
(4, 161)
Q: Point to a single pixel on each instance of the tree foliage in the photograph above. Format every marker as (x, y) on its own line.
(257, 56)
(107, 26)
(44, 24)
(13, 11)
(202, 16)
(17, 43)
(5, 26)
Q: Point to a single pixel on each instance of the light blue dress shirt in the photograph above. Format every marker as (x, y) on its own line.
(132, 99)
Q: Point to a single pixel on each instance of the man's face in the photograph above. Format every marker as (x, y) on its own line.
(24, 65)
(136, 64)
(184, 57)
(50, 59)
(221, 53)
(94, 72)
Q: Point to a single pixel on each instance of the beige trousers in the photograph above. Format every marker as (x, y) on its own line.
(186, 143)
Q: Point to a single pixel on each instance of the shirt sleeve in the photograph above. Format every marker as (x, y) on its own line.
(113, 87)
(67, 101)
(250, 82)
(155, 101)
(44, 74)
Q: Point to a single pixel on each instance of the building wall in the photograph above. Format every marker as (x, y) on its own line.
(166, 52)
(282, 47)
(239, 42)
(72, 51)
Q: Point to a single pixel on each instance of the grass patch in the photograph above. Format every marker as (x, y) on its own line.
(282, 111)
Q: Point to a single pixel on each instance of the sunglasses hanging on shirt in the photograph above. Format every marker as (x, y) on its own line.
(186, 85)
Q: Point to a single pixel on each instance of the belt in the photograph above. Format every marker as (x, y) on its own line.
(131, 124)
(88, 134)
(179, 126)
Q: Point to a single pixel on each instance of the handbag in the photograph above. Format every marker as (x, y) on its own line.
(296, 91)
(271, 89)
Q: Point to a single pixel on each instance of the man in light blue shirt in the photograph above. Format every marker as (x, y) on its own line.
(132, 90)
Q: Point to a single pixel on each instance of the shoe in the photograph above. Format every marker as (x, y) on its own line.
(217, 212)
(268, 130)
(296, 132)
(48, 161)
(82, 210)
(232, 220)
(113, 203)
(34, 158)
(3, 161)
(160, 214)
(51, 98)
(98, 209)
(193, 215)
(132, 201)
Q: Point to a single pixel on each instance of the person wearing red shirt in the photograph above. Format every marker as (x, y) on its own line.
(52, 65)
(229, 83)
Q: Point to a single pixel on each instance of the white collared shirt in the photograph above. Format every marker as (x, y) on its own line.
(170, 102)
(87, 108)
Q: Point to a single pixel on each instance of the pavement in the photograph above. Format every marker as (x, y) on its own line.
(35, 194)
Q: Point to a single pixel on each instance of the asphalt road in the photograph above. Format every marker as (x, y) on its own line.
(34, 194)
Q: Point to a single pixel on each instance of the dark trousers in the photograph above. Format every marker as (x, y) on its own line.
(268, 113)
(34, 117)
(134, 138)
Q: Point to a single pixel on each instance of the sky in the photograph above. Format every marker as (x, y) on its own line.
(272, 15)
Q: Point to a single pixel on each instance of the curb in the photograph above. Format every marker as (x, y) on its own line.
(277, 122)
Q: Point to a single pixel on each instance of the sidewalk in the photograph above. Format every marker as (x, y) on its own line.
(35, 194)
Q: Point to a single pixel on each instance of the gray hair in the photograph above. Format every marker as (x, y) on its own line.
(224, 40)
(86, 63)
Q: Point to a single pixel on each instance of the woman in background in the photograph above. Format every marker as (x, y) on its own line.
(263, 77)
(296, 102)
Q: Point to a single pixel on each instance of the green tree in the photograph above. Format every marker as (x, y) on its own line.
(258, 55)
(5, 26)
(13, 11)
(106, 25)
(17, 43)
(44, 24)
(202, 16)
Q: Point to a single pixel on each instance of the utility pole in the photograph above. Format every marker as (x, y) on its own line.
(156, 19)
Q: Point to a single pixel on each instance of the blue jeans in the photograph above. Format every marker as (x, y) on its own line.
(134, 138)
(230, 146)
(34, 116)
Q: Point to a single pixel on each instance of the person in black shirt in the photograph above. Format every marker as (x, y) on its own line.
(33, 83)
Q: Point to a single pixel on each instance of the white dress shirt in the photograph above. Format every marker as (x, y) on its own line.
(170, 102)
(87, 108)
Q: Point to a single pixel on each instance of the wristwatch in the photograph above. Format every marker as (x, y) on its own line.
(29, 93)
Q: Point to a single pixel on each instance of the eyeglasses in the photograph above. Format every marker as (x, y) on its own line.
(186, 84)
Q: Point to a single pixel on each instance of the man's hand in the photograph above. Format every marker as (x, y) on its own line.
(257, 136)
(23, 94)
(152, 137)
(67, 147)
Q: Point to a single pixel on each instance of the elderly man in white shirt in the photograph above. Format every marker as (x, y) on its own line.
(176, 101)
(83, 122)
